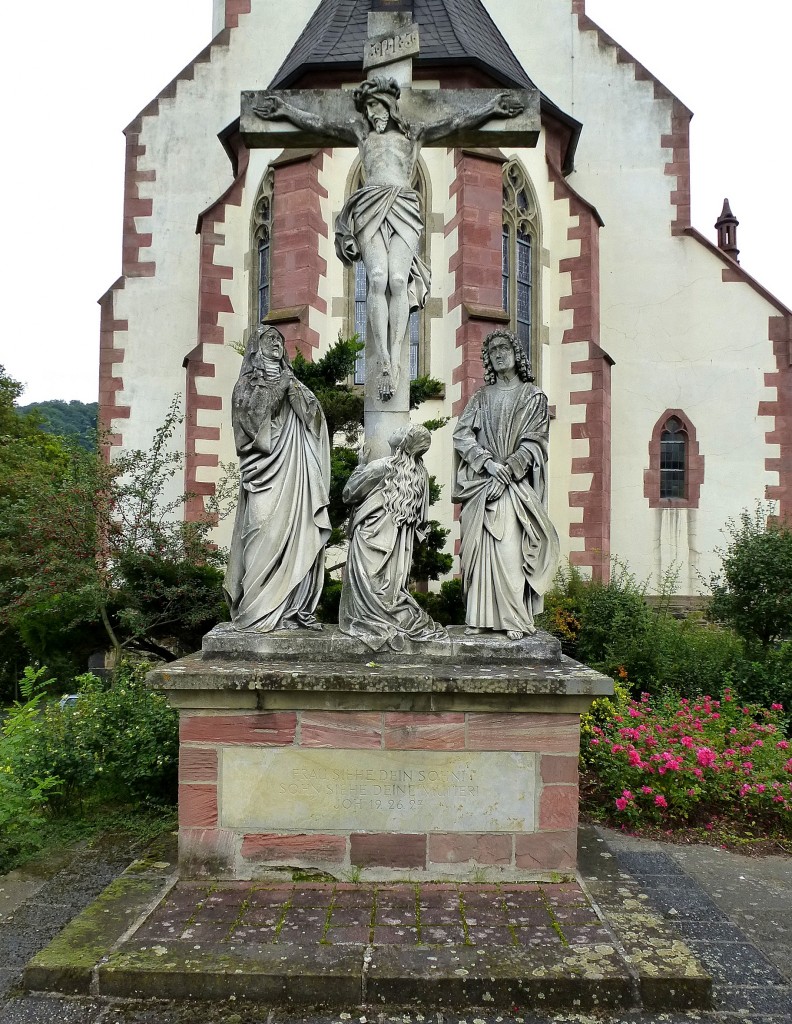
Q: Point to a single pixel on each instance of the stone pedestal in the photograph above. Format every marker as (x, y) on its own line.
(448, 760)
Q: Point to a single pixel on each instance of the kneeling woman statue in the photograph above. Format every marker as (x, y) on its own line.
(391, 496)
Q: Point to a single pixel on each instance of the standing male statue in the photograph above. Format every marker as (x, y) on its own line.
(382, 222)
(509, 549)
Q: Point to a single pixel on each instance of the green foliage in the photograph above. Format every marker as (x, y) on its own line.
(765, 677)
(72, 419)
(114, 746)
(327, 611)
(422, 389)
(447, 606)
(95, 554)
(430, 562)
(342, 404)
(674, 761)
(610, 627)
(753, 591)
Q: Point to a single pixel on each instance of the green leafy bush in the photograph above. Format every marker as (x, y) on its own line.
(753, 591)
(610, 627)
(116, 746)
(674, 761)
(447, 606)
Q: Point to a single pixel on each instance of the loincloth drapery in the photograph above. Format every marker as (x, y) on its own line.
(389, 209)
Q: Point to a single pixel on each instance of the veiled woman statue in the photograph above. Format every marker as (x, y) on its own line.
(509, 548)
(391, 496)
(276, 568)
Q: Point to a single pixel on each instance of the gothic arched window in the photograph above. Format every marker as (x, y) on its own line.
(676, 466)
(261, 249)
(520, 253)
(356, 284)
(673, 449)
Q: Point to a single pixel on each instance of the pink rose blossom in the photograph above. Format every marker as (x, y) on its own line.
(706, 757)
(660, 801)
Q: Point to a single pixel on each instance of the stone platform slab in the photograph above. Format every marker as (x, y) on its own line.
(545, 946)
(331, 645)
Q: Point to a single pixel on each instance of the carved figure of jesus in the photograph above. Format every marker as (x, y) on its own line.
(382, 222)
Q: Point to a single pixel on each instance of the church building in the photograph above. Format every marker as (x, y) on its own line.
(667, 367)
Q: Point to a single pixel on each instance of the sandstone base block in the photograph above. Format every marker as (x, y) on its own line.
(300, 754)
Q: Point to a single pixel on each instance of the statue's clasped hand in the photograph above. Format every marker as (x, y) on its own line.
(502, 473)
(501, 478)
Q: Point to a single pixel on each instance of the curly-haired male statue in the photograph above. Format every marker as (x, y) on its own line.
(391, 499)
(382, 222)
(509, 549)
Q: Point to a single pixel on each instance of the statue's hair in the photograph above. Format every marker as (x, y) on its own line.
(250, 362)
(387, 92)
(522, 362)
(405, 481)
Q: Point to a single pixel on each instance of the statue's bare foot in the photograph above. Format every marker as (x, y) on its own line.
(385, 383)
(473, 630)
(519, 634)
(313, 625)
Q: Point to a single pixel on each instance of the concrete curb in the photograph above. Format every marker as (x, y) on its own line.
(68, 963)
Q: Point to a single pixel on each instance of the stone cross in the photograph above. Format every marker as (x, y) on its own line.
(382, 223)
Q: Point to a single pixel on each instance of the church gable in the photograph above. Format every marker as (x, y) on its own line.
(633, 311)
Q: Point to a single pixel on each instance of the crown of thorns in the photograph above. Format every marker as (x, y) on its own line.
(386, 90)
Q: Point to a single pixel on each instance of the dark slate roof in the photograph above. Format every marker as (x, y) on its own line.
(451, 31)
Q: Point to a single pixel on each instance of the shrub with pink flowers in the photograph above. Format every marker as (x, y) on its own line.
(677, 761)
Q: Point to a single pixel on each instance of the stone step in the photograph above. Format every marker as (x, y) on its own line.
(454, 945)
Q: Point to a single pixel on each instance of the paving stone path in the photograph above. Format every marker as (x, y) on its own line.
(692, 888)
(231, 916)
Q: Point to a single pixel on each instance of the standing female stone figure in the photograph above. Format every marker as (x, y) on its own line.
(276, 568)
(509, 548)
(391, 496)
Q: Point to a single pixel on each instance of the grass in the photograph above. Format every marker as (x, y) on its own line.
(54, 832)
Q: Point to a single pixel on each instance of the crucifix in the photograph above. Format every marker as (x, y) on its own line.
(389, 121)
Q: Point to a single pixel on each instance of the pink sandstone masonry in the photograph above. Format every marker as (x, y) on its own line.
(209, 848)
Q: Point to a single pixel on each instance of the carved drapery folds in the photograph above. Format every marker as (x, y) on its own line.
(356, 287)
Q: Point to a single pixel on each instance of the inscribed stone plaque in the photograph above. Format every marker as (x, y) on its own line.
(264, 789)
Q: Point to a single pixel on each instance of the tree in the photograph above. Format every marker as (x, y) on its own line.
(753, 590)
(67, 419)
(99, 546)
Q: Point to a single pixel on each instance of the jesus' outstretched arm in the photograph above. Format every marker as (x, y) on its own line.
(277, 108)
(505, 104)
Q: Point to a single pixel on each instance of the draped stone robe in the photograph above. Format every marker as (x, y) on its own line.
(376, 606)
(276, 569)
(509, 548)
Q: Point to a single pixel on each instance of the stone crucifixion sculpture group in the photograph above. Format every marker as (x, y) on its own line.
(509, 547)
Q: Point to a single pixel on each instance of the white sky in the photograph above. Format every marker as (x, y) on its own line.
(76, 72)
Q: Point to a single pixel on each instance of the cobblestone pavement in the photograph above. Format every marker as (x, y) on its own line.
(750, 987)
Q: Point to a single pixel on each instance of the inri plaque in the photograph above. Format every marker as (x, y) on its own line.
(265, 789)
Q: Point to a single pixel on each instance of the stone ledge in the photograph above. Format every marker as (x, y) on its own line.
(567, 678)
(331, 645)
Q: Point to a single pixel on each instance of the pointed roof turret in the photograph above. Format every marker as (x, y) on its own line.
(453, 33)
(726, 226)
